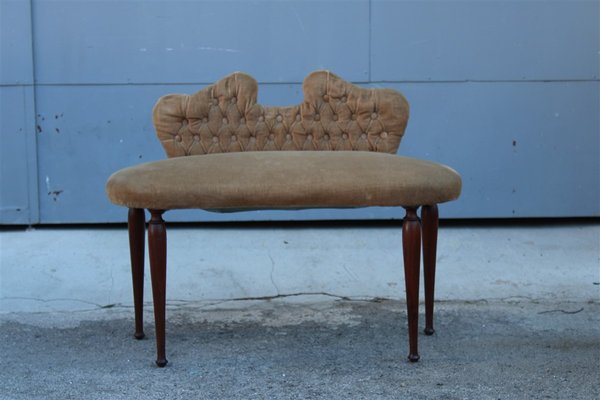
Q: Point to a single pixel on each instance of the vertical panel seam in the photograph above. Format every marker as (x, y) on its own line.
(370, 46)
(32, 144)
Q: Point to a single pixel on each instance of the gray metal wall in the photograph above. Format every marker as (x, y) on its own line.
(506, 92)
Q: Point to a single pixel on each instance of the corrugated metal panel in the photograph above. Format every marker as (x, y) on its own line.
(18, 160)
(485, 40)
(186, 41)
(524, 133)
(514, 145)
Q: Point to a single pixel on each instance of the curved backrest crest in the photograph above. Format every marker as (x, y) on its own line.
(335, 115)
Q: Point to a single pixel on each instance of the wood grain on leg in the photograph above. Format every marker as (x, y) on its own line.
(411, 246)
(157, 247)
(136, 250)
(429, 217)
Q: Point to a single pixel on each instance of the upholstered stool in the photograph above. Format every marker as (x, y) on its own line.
(335, 150)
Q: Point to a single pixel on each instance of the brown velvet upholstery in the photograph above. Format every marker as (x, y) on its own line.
(283, 179)
(335, 115)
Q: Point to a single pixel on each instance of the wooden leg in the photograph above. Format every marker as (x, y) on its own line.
(157, 247)
(411, 247)
(429, 217)
(136, 250)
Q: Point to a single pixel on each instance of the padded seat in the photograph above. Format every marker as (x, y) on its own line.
(283, 179)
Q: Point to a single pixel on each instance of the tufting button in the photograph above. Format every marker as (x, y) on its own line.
(363, 136)
(374, 116)
(279, 118)
(252, 139)
(205, 120)
(242, 121)
(261, 118)
(384, 135)
(215, 139)
(196, 138)
(317, 117)
(215, 102)
(326, 97)
(326, 137)
(288, 136)
(309, 137)
(233, 100)
(178, 138)
(298, 117)
(353, 117)
(271, 136)
(345, 136)
(224, 120)
(344, 99)
(233, 138)
(335, 117)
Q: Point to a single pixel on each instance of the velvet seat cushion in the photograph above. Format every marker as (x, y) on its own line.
(283, 179)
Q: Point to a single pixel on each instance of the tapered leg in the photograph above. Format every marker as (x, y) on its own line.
(136, 250)
(411, 247)
(429, 218)
(157, 247)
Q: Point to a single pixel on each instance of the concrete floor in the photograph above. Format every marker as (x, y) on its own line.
(518, 315)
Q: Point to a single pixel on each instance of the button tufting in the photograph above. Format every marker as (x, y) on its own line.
(261, 118)
(298, 117)
(384, 135)
(279, 118)
(344, 99)
(345, 136)
(326, 97)
(233, 100)
(374, 116)
(233, 138)
(317, 117)
(363, 136)
(309, 137)
(353, 117)
(242, 121)
(205, 120)
(326, 137)
(271, 136)
(196, 138)
(288, 136)
(178, 138)
(224, 120)
(215, 102)
(252, 139)
(335, 117)
(215, 139)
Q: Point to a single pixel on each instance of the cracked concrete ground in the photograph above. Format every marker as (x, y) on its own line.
(517, 317)
(310, 350)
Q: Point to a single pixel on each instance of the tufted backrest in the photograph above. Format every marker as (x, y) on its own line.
(335, 115)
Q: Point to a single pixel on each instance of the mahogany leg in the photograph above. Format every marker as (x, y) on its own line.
(411, 247)
(429, 217)
(136, 250)
(157, 247)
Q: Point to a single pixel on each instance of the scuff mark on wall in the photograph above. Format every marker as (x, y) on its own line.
(222, 49)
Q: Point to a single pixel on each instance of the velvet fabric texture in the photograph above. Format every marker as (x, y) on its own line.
(335, 115)
(221, 144)
(283, 179)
